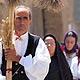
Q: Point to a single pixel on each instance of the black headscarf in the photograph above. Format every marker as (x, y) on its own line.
(65, 71)
(74, 35)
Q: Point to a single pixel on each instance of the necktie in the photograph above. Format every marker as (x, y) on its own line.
(18, 38)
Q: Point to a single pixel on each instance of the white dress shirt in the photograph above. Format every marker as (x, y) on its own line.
(0, 56)
(36, 68)
(1, 76)
(75, 68)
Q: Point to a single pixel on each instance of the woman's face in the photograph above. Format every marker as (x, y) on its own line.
(50, 43)
(70, 42)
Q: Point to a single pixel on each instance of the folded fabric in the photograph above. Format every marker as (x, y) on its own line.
(2, 77)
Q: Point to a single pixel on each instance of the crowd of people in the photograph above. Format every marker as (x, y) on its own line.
(65, 57)
(59, 69)
(34, 58)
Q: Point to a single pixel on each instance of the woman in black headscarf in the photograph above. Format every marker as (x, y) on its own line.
(59, 69)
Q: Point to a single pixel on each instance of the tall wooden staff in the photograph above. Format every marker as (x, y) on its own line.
(8, 26)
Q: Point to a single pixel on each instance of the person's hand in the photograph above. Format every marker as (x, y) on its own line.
(10, 54)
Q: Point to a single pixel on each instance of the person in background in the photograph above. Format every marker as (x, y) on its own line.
(30, 56)
(75, 66)
(59, 68)
(70, 47)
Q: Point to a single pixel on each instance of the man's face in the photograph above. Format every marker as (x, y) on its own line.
(22, 21)
(70, 42)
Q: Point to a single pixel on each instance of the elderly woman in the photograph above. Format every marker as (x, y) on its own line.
(59, 68)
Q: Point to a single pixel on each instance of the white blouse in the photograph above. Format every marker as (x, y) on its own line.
(69, 57)
(36, 68)
(75, 68)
